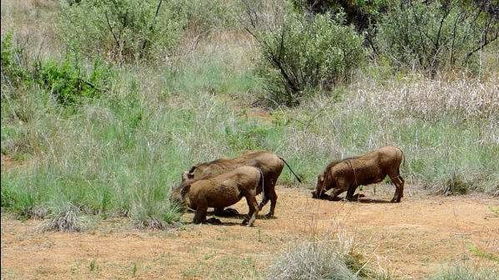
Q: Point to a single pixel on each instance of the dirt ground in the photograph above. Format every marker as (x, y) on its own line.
(409, 240)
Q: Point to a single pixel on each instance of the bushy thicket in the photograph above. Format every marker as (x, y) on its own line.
(123, 30)
(13, 61)
(68, 80)
(303, 55)
(434, 36)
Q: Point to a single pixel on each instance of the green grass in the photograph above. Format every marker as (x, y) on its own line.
(460, 272)
(484, 254)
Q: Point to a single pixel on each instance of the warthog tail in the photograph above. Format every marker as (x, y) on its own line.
(404, 162)
(296, 176)
(262, 181)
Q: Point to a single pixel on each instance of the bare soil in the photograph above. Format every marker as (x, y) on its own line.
(410, 240)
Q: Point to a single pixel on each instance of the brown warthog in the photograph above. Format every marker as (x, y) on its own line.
(270, 164)
(348, 174)
(221, 191)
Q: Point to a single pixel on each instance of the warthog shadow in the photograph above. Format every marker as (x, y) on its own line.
(356, 198)
(218, 222)
(372, 200)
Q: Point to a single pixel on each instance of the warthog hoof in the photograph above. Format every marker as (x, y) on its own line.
(270, 216)
(395, 200)
(214, 221)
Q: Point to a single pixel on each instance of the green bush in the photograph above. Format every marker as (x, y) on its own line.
(13, 61)
(69, 80)
(123, 30)
(432, 37)
(305, 54)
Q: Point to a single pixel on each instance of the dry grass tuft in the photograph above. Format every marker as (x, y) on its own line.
(66, 219)
(319, 259)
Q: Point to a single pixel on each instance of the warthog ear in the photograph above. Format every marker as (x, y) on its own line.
(320, 178)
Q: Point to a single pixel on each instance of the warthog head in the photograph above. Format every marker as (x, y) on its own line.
(178, 193)
(321, 188)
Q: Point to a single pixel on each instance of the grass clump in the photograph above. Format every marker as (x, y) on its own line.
(460, 272)
(150, 213)
(456, 186)
(65, 217)
(315, 260)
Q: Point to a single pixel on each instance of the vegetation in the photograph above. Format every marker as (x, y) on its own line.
(312, 260)
(121, 30)
(322, 259)
(463, 272)
(104, 120)
(303, 55)
(437, 36)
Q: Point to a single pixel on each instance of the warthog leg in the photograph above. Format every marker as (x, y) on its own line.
(253, 209)
(272, 196)
(350, 193)
(200, 215)
(273, 202)
(398, 181)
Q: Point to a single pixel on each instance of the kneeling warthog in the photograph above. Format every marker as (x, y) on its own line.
(373, 167)
(270, 164)
(221, 191)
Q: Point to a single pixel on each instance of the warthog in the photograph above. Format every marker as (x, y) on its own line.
(270, 164)
(221, 191)
(348, 174)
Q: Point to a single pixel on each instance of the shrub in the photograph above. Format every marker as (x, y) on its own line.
(13, 60)
(153, 213)
(69, 80)
(305, 54)
(435, 36)
(122, 30)
(359, 13)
